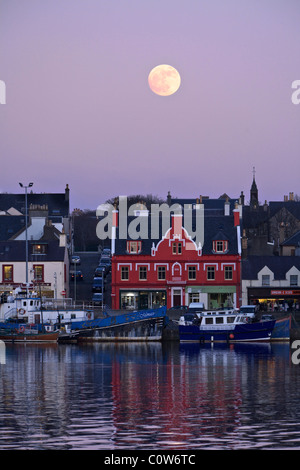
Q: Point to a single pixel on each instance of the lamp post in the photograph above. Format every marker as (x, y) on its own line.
(26, 226)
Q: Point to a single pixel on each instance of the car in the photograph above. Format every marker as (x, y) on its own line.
(104, 266)
(79, 276)
(97, 298)
(75, 259)
(179, 307)
(105, 260)
(101, 270)
(106, 252)
(98, 284)
(267, 317)
(249, 310)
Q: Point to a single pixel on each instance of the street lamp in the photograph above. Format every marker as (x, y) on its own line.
(26, 226)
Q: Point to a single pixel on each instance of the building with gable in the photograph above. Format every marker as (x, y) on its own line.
(194, 258)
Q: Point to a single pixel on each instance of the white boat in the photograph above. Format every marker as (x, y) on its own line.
(223, 326)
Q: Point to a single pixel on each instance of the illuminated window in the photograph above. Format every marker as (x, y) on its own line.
(38, 272)
(39, 249)
(7, 273)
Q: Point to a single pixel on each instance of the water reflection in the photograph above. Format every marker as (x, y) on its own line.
(149, 396)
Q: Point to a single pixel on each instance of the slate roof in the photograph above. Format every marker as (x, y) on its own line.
(214, 227)
(292, 206)
(58, 204)
(10, 225)
(15, 250)
(279, 265)
(294, 240)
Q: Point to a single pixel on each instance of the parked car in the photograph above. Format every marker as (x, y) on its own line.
(267, 317)
(249, 310)
(183, 308)
(104, 266)
(98, 284)
(97, 298)
(79, 276)
(101, 270)
(75, 259)
(106, 252)
(196, 307)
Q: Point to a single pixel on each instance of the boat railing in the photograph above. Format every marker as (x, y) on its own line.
(11, 313)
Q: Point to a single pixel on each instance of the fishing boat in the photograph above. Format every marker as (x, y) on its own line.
(143, 325)
(223, 326)
(27, 334)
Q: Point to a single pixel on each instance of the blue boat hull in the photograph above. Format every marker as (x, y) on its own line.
(282, 330)
(260, 331)
(145, 325)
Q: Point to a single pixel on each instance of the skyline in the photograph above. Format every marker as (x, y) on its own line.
(79, 110)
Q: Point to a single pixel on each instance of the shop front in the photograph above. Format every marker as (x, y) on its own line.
(213, 297)
(142, 299)
(276, 300)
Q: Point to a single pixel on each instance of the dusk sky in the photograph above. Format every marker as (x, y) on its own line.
(79, 109)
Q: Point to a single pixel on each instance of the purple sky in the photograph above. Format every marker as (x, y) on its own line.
(79, 109)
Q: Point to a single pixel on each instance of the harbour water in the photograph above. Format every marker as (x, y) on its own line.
(149, 396)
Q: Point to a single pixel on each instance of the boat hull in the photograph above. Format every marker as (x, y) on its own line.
(260, 331)
(9, 337)
(137, 326)
(282, 330)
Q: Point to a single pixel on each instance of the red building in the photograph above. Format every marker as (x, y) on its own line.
(176, 269)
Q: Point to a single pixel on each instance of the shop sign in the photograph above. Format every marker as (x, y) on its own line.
(285, 292)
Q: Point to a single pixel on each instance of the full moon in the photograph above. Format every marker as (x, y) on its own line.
(164, 80)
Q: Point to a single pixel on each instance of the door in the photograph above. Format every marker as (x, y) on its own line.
(176, 297)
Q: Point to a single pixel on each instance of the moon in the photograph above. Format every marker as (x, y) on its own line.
(164, 80)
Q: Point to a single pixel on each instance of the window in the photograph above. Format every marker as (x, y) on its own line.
(220, 246)
(293, 280)
(7, 273)
(228, 273)
(143, 273)
(124, 273)
(134, 247)
(219, 320)
(38, 272)
(177, 248)
(265, 279)
(161, 273)
(192, 273)
(210, 273)
(39, 249)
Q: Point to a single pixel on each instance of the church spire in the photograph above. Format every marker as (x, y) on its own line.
(254, 192)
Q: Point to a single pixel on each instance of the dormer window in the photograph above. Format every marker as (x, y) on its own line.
(39, 249)
(134, 247)
(220, 246)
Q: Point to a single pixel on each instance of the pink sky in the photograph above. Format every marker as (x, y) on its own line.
(79, 109)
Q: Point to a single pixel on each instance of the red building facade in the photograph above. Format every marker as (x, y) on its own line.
(175, 271)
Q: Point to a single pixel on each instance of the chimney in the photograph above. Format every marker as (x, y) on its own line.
(291, 196)
(169, 198)
(236, 215)
(114, 229)
(227, 207)
(62, 239)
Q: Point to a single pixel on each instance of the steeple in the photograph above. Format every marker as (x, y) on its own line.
(254, 192)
